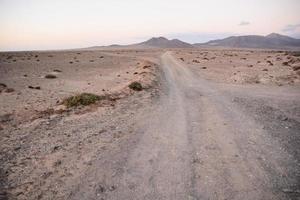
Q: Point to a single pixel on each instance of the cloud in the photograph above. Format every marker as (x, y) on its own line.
(244, 23)
(291, 28)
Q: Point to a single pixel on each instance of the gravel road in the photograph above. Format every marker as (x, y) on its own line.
(203, 140)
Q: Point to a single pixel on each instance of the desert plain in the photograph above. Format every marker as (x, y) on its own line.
(203, 123)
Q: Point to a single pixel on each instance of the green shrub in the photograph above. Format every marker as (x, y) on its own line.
(82, 99)
(135, 86)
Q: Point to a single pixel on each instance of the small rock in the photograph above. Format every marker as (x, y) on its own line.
(57, 163)
(296, 68)
(36, 88)
(285, 63)
(112, 188)
(286, 190)
(17, 148)
(57, 70)
(55, 148)
(100, 189)
(45, 175)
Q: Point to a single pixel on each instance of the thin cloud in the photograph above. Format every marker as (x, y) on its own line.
(244, 23)
(291, 27)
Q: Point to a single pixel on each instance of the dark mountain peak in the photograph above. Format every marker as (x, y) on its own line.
(162, 42)
(277, 36)
(157, 39)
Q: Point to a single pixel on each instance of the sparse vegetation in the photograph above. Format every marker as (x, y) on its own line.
(83, 99)
(50, 76)
(4, 88)
(296, 54)
(9, 90)
(136, 86)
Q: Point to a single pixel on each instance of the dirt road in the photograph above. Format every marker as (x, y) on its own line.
(204, 141)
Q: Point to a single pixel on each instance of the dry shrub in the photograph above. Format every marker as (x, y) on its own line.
(83, 99)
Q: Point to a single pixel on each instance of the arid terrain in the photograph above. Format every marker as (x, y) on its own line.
(182, 123)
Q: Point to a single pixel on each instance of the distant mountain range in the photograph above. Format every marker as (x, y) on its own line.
(155, 42)
(271, 41)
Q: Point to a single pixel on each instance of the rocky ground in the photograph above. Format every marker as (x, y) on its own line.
(240, 66)
(206, 124)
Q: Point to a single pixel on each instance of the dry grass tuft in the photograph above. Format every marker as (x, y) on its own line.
(83, 99)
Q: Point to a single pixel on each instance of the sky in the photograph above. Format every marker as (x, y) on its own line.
(63, 24)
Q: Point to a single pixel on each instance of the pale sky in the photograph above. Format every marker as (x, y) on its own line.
(60, 24)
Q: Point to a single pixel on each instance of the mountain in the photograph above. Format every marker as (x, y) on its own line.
(161, 42)
(155, 42)
(273, 41)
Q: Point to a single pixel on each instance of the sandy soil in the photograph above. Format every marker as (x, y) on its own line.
(214, 128)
